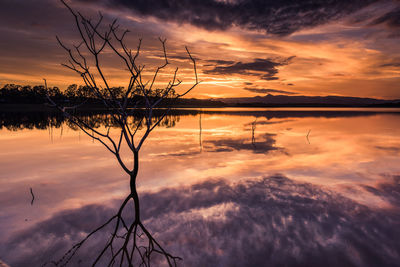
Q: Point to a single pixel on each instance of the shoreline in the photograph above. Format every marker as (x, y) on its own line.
(24, 107)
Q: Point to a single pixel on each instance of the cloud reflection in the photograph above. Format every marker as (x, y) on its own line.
(262, 144)
(270, 221)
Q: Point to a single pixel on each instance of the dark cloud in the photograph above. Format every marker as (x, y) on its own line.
(177, 57)
(28, 30)
(390, 19)
(217, 62)
(265, 68)
(269, 77)
(208, 63)
(266, 91)
(258, 65)
(29, 49)
(270, 221)
(221, 62)
(275, 17)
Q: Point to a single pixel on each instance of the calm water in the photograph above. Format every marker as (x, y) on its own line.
(219, 187)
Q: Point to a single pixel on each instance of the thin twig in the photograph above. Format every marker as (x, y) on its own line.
(33, 196)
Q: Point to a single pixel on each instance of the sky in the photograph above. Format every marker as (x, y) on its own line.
(243, 48)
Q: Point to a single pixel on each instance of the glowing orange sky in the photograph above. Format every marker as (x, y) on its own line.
(337, 57)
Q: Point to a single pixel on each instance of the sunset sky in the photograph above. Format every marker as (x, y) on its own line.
(242, 47)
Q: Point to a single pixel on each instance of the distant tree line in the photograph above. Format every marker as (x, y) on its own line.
(17, 94)
(13, 93)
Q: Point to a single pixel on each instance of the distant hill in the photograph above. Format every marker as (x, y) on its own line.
(307, 101)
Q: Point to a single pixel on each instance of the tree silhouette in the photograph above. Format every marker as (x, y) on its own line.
(130, 242)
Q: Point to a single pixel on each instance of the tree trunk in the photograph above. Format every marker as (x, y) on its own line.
(134, 193)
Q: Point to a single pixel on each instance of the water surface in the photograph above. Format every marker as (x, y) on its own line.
(220, 187)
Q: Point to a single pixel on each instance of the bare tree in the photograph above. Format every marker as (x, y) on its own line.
(130, 241)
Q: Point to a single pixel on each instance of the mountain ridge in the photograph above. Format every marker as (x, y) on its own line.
(330, 100)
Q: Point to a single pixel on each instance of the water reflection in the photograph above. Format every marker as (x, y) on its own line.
(271, 221)
(263, 144)
(15, 121)
(336, 202)
(19, 120)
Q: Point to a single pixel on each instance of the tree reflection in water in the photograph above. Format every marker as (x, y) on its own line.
(15, 121)
(271, 221)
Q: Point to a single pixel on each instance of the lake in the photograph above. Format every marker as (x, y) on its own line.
(219, 187)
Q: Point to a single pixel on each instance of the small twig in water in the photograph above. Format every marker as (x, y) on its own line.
(253, 129)
(33, 196)
(308, 135)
